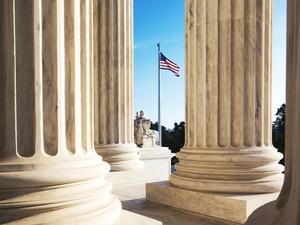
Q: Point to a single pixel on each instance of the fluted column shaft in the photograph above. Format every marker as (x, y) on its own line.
(114, 85)
(49, 170)
(285, 211)
(228, 146)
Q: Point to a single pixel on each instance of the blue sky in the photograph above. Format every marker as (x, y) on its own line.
(163, 21)
(279, 54)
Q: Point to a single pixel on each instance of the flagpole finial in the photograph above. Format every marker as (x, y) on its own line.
(158, 46)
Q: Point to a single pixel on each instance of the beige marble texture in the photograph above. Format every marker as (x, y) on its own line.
(130, 185)
(49, 170)
(233, 208)
(129, 218)
(285, 210)
(114, 136)
(169, 215)
(228, 142)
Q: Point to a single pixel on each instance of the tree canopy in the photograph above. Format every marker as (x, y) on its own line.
(172, 138)
(278, 128)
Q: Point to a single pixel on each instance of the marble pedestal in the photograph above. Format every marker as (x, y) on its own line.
(231, 207)
(129, 185)
(149, 155)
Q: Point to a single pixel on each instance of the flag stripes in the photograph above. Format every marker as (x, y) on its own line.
(166, 64)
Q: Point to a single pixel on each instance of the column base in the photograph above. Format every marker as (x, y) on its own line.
(231, 207)
(129, 185)
(57, 190)
(284, 211)
(121, 157)
(129, 218)
(250, 170)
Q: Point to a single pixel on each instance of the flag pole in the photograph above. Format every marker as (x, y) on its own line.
(159, 116)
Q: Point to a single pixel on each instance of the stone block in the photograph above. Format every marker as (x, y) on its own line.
(129, 185)
(231, 207)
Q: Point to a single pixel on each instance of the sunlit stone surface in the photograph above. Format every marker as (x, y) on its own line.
(228, 158)
(49, 170)
(285, 211)
(228, 146)
(114, 85)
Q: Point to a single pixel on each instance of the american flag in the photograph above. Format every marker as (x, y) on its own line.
(166, 64)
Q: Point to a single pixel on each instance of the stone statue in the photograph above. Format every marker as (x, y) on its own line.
(144, 137)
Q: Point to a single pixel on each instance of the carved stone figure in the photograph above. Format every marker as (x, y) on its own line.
(144, 137)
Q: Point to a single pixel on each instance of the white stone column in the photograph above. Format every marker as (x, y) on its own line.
(114, 85)
(49, 170)
(228, 146)
(285, 211)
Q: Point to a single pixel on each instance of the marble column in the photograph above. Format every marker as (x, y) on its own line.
(285, 211)
(49, 170)
(114, 85)
(228, 146)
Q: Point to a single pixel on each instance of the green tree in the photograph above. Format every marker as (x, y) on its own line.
(278, 128)
(172, 138)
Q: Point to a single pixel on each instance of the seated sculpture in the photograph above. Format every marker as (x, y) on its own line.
(144, 137)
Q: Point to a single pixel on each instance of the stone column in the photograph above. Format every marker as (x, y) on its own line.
(49, 170)
(285, 211)
(228, 146)
(114, 85)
